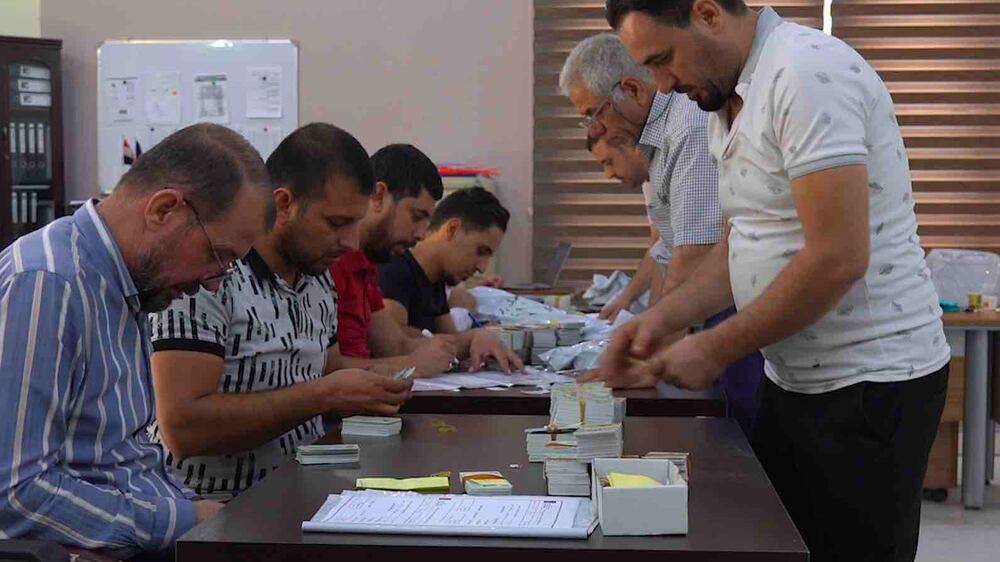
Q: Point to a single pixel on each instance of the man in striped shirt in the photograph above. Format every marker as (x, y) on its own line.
(243, 376)
(76, 466)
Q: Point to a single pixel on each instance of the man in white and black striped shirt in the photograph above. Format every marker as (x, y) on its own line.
(243, 376)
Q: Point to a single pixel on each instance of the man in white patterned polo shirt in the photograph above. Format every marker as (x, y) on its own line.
(822, 259)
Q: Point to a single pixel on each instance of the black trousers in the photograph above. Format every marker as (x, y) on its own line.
(849, 465)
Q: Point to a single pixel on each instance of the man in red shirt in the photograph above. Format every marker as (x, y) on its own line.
(407, 186)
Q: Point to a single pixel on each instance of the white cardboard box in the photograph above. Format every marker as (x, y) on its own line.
(652, 510)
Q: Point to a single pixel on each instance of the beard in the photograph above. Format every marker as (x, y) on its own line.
(295, 251)
(713, 100)
(379, 246)
(154, 294)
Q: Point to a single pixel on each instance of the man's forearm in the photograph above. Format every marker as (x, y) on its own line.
(395, 362)
(641, 282)
(684, 261)
(779, 313)
(224, 423)
(707, 290)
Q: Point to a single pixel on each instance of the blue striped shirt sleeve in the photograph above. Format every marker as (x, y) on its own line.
(41, 340)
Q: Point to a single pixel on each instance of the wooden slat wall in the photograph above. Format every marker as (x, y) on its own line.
(572, 199)
(941, 61)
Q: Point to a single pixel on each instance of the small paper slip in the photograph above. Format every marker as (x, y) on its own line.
(372, 426)
(621, 480)
(485, 483)
(405, 513)
(425, 484)
(405, 374)
(328, 454)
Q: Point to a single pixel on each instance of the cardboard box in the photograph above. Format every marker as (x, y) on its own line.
(650, 510)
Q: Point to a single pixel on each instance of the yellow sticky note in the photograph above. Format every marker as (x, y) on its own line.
(489, 482)
(426, 484)
(619, 480)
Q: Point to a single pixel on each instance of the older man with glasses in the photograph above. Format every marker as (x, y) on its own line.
(617, 97)
(76, 466)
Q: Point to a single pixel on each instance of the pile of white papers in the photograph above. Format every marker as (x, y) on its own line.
(347, 453)
(485, 483)
(489, 379)
(588, 403)
(371, 426)
(460, 515)
(681, 460)
(545, 443)
(567, 477)
(570, 333)
(543, 340)
(516, 339)
(598, 442)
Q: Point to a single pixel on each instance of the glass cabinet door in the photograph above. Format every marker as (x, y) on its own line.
(30, 130)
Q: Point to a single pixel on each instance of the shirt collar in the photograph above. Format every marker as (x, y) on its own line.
(258, 266)
(419, 273)
(767, 20)
(356, 261)
(103, 247)
(653, 131)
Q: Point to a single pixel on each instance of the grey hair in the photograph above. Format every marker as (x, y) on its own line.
(600, 62)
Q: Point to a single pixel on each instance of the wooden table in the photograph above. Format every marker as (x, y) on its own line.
(978, 429)
(734, 513)
(664, 400)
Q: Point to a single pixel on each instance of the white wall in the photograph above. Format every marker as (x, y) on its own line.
(20, 17)
(454, 77)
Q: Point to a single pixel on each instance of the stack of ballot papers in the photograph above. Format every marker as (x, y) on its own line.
(347, 453)
(371, 426)
(545, 443)
(567, 477)
(598, 442)
(543, 340)
(515, 338)
(588, 403)
(681, 460)
(485, 483)
(569, 333)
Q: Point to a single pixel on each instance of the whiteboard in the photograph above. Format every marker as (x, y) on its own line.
(147, 89)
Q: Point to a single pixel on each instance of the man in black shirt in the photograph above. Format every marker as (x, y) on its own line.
(464, 232)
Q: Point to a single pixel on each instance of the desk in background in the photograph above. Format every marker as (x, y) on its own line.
(664, 400)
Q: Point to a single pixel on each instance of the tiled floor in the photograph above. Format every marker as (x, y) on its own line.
(951, 533)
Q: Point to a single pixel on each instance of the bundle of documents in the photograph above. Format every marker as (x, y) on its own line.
(569, 333)
(567, 477)
(485, 483)
(515, 338)
(681, 460)
(598, 442)
(372, 426)
(587, 403)
(543, 339)
(347, 453)
(370, 511)
(545, 443)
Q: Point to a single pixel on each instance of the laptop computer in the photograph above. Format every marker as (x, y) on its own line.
(552, 272)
